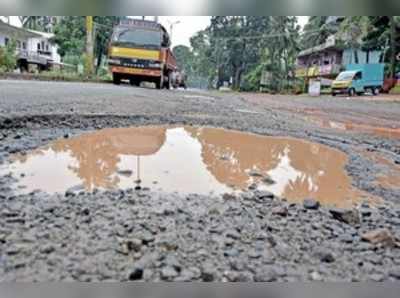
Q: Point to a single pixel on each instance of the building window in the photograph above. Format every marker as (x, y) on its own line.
(38, 46)
(18, 45)
(47, 47)
(6, 41)
(24, 45)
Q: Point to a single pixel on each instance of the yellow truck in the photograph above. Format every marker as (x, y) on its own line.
(140, 51)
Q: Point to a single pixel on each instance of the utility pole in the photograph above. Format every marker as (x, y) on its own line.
(171, 28)
(89, 45)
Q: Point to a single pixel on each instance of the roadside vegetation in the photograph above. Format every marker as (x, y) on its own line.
(8, 60)
(238, 51)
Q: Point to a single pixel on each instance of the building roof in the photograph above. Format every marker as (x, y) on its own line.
(42, 34)
(330, 43)
(16, 32)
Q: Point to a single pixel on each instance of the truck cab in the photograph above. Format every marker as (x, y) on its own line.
(140, 51)
(358, 79)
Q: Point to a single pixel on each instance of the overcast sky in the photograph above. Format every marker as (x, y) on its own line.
(182, 31)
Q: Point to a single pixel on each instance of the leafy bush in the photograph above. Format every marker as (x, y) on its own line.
(8, 59)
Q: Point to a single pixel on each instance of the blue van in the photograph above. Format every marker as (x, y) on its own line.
(359, 78)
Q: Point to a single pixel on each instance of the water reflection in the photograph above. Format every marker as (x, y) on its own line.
(190, 159)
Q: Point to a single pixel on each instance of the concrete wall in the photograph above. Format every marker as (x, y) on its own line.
(349, 57)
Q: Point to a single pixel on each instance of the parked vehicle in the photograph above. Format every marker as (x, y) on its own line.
(358, 79)
(140, 51)
(179, 79)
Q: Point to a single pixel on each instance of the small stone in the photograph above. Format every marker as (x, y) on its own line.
(315, 276)
(134, 244)
(48, 249)
(254, 173)
(327, 257)
(347, 238)
(264, 194)
(266, 274)
(380, 236)
(311, 204)
(136, 274)
(395, 272)
(253, 186)
(85, 212)
(168, 273)
(377, 277)
(365, 212)
(126, 173)
(348, 216)
(231, 253)
(72, 191)
(232, 234)
(280, 210)
(268, 180)
(208, 274)
(228, 196)
(254, 254)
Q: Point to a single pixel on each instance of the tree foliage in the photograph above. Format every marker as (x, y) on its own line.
(8, 60)
(70, 35)
(238, 49)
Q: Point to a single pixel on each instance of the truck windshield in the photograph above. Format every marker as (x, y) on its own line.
(134, 37)
(345, 76)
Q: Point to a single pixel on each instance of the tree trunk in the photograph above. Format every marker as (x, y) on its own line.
(392, 47)
(237, 79)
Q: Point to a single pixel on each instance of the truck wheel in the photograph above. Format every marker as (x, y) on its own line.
(160, 82)
(352, 92)
(333, 94)
(167, 83)
(134, 82)
(375, 91)
(116, 79)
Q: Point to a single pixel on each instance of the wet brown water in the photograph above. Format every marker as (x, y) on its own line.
(188, 160)
(386, 132)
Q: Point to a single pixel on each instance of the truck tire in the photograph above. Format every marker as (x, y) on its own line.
(160, 82)
(116, 79)
(167, 82)
(375, 91)
(134, 82)
(352, 92)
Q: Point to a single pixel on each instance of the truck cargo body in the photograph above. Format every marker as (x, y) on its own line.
(359, 78)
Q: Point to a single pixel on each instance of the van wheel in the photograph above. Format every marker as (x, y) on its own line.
(116, 79)
(375, 91)
(352, 92)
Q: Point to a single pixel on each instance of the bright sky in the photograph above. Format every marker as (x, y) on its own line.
(186, 27)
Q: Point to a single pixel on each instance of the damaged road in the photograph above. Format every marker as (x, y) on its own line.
(128, 234)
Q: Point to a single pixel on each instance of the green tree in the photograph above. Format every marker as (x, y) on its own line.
(384, 34)
(8, 60)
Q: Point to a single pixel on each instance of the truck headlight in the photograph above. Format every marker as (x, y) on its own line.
(155, 65)
(114, 61)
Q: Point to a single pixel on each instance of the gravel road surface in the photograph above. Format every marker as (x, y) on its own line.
(129, 235)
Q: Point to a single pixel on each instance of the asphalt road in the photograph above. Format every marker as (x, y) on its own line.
(127, 235)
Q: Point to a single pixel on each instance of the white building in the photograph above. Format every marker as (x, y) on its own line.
(34, 48)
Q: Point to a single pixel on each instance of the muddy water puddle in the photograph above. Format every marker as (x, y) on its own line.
(386, 132)
(188, 160)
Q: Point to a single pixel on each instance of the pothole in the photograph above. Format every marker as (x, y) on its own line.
(187, 160)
